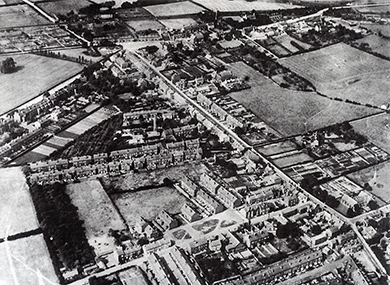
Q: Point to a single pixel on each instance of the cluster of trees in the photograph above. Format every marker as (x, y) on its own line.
(8, 65)
(62, 228)
(347, 133)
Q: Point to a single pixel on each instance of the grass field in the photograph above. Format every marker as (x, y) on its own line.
(148, 203)
(377, 177)
(142, 25)
(20, 15)
(376, 129)
(242, 5)
(291, 112)
(180, 23)
(17, 213)
(377, 44)
(378, 28)
(285, 41)
(62, 7)
(174, 9)
(36, 74)
(94, 208)
(344, 72)
(22, 259)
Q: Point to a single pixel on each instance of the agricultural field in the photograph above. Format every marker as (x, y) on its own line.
(133, 13)
(94, 208)
(26, 261)
(378, 179)
(17, 212)
(44, 72)
(376, 129)
(242, 5)
(20, 15)
(291, 112)
(179, 23)
(344, 72)
(377, 44)
(276, 148)
(63, 7)
(143, 25)
(148, 203)
(174, 9)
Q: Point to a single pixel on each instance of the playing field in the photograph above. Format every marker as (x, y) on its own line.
(291, 112)
(378, 178)
(94, 208)
(344, 72)
(174, 9)
(179, 23)
(20, 15)
(242, 5)
(17, 213)
(376, 129)
(62, 7)
(143, 25)
(26, 261)
(148, 203)
(35, 74)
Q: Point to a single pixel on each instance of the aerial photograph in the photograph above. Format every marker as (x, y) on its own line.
(194, 142)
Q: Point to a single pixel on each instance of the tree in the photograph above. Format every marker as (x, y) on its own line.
(8, 65)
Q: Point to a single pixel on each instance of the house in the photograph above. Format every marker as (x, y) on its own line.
(81, 160)
(255, 238)
(189, 213)
(229, 199)
(209, 182)
(166, 221)
(188, 185)
(100, 158)
(209, 202)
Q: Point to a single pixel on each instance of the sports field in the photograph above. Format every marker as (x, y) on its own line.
(174, 9)
(20, 15)
(94, 208)
(26, 261)
(344, 72)
(376, 129)
(242, 5)
(17, 212)
(35, 74)
(291, 112)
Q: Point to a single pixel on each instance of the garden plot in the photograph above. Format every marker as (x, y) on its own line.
(95, 208)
